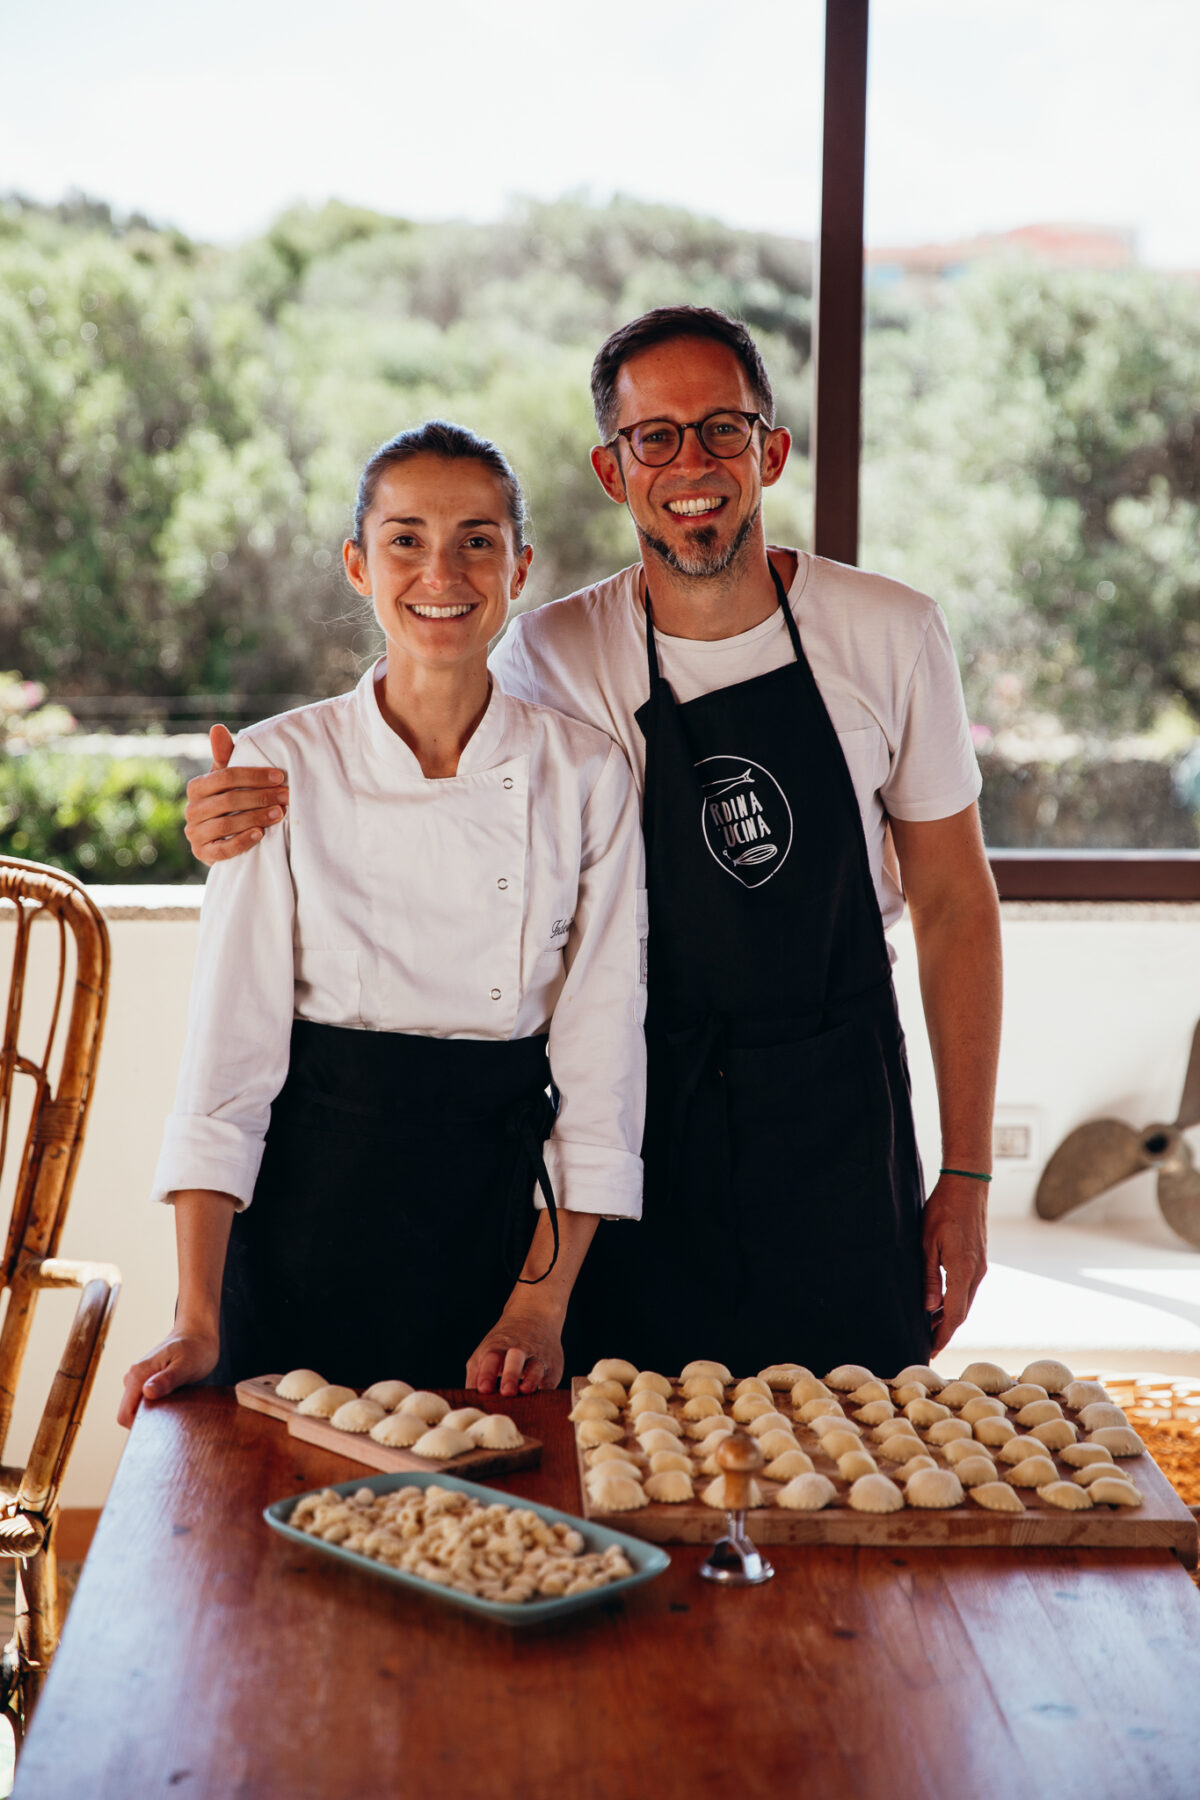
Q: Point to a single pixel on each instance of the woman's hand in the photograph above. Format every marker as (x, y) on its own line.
(522, 1353)
(183, 1357)
(229, 809)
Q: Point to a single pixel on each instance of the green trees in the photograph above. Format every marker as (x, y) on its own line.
(181, 429)
(151, 469)
(1034, 460)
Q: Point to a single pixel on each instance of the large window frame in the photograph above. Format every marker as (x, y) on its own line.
(837, 452)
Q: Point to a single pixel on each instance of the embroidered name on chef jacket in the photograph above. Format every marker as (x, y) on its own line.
(745, 817)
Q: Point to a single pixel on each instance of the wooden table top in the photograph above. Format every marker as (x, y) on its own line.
(206, 1656)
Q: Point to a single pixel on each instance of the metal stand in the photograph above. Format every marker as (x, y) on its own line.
(733, 1559)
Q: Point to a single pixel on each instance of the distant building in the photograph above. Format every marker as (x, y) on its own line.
(1052, 246)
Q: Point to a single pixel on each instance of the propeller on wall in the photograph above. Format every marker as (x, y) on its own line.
(1095, 1157)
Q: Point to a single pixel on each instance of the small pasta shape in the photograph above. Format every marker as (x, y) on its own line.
(388, 1393)
(947, 1431)
(789, 1465)
(847, 1376)
(925, 1412)
(671, 1486)
(613, 1368)
(648, 1378)
(597, 1431)
(714, 1370)
(703, 1406)
(1048, 1373)
(987, 1375)
(807, 1493)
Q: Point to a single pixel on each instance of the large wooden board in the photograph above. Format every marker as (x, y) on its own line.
(1162, 1522)
(258, 1394)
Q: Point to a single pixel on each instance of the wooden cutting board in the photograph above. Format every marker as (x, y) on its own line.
(258, 1394)
(1162, 1522)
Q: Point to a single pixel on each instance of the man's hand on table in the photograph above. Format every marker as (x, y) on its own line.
(522, 1353)
(229, 809)
(182, 1358)
(954, 1232)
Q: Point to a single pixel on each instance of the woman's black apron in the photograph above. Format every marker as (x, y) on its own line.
(393, 1208)
(783, 1188)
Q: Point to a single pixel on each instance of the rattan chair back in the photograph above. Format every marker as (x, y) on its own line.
(61, 1064)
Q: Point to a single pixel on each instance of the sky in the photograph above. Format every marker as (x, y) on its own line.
(984, 114)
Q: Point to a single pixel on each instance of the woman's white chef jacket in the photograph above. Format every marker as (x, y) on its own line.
(488, 905)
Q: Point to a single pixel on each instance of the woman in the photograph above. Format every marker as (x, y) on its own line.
(448, 919)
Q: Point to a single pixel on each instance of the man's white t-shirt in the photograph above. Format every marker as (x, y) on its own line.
(879, 651)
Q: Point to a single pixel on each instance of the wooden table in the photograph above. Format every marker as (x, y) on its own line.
(206, 1656)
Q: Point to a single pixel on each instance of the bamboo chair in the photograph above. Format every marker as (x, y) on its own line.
(62, 1073)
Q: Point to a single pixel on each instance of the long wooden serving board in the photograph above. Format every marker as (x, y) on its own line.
(1162, 1522)
(259, 1395)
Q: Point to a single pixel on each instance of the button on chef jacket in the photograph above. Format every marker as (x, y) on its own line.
(495, 904)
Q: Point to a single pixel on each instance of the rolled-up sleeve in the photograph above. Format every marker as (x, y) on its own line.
(239, 1022)
(597, 1036)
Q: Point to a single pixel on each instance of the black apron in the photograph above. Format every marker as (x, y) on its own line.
(393, 1208)
(783, 1189)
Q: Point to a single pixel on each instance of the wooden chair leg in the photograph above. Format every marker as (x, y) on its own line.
(37, 1623)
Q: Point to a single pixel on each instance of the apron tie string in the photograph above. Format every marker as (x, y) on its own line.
(697, 1049)
(530, 1123)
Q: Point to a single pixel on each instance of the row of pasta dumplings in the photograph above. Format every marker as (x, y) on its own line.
(649, 1438)
(401, 1416)
(506, 1554)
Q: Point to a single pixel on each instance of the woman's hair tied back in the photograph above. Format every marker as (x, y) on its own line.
(453, 443)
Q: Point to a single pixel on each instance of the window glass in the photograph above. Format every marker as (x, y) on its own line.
(397, 214)
(1032, 394)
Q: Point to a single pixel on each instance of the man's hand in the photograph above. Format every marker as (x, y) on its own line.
(182, 1357)
(954, 1232)
(229, 809)
(522, 1353)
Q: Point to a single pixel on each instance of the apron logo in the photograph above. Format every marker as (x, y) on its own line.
(745, 817)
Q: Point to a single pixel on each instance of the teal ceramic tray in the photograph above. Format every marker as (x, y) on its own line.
(648, 1560)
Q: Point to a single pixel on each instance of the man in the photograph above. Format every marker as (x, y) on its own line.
(798, 732)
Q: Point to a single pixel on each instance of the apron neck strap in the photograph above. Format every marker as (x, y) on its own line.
(792, 628)
(652, 647)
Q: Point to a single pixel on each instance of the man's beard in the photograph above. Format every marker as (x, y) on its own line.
(703, 560)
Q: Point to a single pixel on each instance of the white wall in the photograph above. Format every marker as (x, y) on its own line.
(1100, 1003)
(1100, 1007)
(153, 943)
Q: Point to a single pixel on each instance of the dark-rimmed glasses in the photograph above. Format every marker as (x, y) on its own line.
(656, 442)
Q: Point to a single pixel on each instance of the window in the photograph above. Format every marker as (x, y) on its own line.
(1031, 410)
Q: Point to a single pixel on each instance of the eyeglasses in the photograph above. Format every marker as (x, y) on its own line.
(656, 442)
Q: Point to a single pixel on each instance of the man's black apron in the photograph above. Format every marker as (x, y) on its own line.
(783, 1187)
(393, 1208)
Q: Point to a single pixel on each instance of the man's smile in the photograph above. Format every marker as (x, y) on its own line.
(693, 508)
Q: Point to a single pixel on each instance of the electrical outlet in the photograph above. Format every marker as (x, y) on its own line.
(1017, 1135)
(1013, 1143)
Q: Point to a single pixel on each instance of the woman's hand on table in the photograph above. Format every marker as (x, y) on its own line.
(522, 1353)
(182, 1358)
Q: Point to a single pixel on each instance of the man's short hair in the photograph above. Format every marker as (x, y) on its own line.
(662, 326)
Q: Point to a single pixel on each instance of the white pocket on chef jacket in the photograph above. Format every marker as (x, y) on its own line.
(560, 932)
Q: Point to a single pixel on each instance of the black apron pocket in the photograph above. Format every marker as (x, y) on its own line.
(806, 1122)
